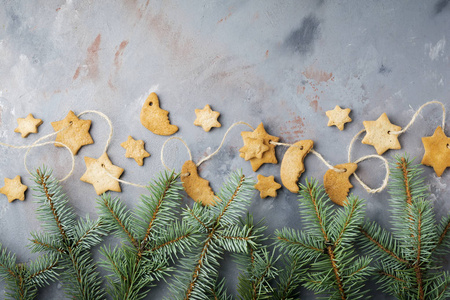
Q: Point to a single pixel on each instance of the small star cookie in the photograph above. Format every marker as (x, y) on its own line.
(267, 186)
(207, 118)
(253, 147)
(28, 125)
(97, 174)
(76, 133)
(135, 149)
(267, 156)
(437, 153)
(379, 134)
(338, 117)
(14, 189)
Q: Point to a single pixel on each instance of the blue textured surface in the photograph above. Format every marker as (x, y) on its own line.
(283, 63)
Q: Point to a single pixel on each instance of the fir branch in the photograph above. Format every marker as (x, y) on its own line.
(327, 243)
(68, 239)
(154, 234)
(199, 270)
(290, 278)
(117, 217)
(22, 280)
(406, 265)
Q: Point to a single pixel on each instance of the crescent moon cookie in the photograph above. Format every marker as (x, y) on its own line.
(155, 118)
(28, 125)
(256, 136)
(196, 187)
(337, 184)
(338, 117)
(292, 165)
(379, 136)
(437, 153)
(76, 134)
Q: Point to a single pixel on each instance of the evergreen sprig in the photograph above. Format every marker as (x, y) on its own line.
(257, 266)
(67, 238)
(408, 265)
(151, 237)
(22, 280)
(326, 243)
(198, 276)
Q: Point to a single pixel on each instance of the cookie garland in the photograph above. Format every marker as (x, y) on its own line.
(383, 135)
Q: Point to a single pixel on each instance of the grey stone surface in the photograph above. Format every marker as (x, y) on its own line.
(283, 63)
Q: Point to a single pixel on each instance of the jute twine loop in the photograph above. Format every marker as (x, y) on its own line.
(37, 144)
(189, 150)
(384, 160)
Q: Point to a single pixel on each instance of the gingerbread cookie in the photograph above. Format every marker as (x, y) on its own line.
(76, 132)
(437, 153)
(337, 184)
(99, 172)
(207, 118)
(28, 125)
(379, 134)
(292, 165)
(267, 156)
(196, 187)
(135, 149)
(267, 186)
(14, 189)
(338, 117)
(155, 118)
(253, 147)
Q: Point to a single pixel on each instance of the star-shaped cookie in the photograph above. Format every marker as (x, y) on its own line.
(207, 118)
(338, 117)
(253, 147)
(437, 153)
(135, 149)
(97, 174)
(14, 189)
(379, 134)
(76, 133)
(267, 186)
(267, 156)
(28, 125)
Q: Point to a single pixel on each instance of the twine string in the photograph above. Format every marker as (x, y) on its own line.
(417, 113)
(37, 144)
(385, 180)
(164, 145)
(111, 131)
(189, 150)
(350, 146)
(223, 140)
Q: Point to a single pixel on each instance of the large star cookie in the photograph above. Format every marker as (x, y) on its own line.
(207, 118)
(379, 134)
(14, 189)
(28, 125)
(135, 149)
(437, 152)
(267, 186)
(99, 172)
(267, 156)
(76, 132)
(338, 117)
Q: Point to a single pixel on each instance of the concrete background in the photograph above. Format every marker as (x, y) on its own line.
(283, 63)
